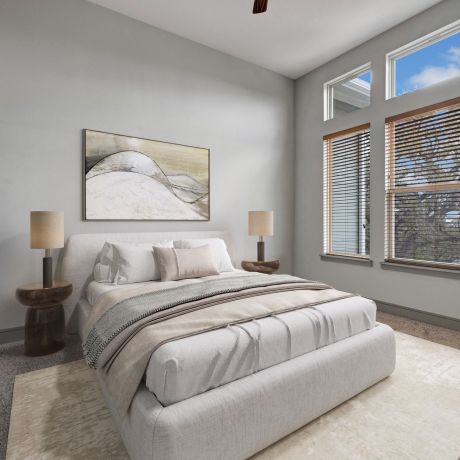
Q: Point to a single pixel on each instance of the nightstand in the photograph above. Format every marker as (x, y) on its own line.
(268, 266)
(45, 321)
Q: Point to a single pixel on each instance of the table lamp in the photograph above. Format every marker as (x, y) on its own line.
(260, 224)
(47, 232)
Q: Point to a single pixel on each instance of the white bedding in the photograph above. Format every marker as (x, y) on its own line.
(186, 367)
(95, 289)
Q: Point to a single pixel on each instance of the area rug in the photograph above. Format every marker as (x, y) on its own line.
(58, 413)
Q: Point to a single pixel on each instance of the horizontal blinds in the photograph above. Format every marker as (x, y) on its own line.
(423, 186)
(346, 192)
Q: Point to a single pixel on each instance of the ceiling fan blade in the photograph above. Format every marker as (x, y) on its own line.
(260, 6)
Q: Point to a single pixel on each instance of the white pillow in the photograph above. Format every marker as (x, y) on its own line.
(218, 247)
(104, 270)
(122, 263)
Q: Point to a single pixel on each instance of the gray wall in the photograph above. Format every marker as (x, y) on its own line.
(68, 65)
(418, 290)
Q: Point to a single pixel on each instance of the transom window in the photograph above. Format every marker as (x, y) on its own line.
(348, 92)
(423, 186)
(424, 62)
(346, 192)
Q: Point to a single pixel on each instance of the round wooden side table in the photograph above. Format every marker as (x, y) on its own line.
(268, 266)
(45, 321)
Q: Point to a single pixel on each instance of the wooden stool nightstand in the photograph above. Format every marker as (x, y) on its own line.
(268, 266)
(45, 322)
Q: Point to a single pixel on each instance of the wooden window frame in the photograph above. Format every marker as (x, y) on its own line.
(327, 187)
(391, 189)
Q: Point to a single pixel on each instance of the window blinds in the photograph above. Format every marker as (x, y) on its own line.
(346, 192)
(423, 186)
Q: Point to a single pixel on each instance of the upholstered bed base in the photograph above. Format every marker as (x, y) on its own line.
(236, 420)
(241, 418)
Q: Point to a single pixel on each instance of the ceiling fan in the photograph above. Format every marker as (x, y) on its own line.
(260, 6)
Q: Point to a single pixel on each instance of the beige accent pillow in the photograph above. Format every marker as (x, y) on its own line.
(218, 247)
(179, 264)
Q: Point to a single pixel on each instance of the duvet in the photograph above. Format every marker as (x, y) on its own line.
(127, 326)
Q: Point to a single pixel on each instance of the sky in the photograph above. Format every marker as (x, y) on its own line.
(430, 65)
(366, 76)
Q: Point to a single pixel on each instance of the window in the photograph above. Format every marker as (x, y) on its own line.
(346, 192)
(424, 62)
(348, 93)
(423, 186)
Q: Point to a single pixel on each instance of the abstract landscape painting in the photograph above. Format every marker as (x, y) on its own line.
(128, 178)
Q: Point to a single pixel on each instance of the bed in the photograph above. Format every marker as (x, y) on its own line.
(230, 392)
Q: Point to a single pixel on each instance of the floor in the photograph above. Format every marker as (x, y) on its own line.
(59, 413)
(425, 331)
(13, 361)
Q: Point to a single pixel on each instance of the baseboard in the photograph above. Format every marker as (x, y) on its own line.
(11, 335)
(418, 315)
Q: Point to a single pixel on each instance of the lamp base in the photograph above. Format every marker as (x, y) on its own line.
(260, 251)
(47, 272)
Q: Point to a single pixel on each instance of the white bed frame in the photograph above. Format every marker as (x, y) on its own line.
(243, 417)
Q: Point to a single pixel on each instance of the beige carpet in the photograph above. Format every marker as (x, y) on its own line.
(58, 413)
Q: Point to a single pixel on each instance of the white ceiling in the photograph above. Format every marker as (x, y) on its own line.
(291, 38)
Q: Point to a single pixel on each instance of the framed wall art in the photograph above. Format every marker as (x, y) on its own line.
(129, 178)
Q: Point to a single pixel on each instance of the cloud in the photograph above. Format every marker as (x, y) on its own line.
(453, 55)
(434, 74)
(431, 75)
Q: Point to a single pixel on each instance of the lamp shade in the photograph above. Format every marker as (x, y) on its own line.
(260, 223)
(46, 229)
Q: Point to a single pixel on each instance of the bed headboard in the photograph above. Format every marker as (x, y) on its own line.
(76, 261)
